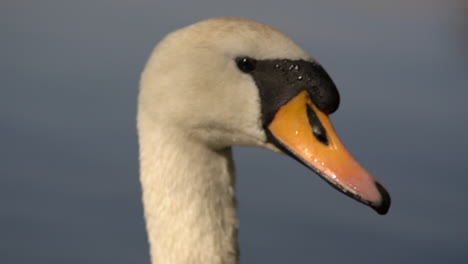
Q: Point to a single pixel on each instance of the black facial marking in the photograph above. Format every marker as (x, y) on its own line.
(279, 81)
(317, 128)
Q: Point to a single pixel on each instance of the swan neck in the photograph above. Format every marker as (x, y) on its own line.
(188, 199)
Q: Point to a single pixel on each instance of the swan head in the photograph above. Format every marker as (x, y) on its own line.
(233, 81)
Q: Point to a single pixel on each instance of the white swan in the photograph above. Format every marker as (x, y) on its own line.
(219, 83)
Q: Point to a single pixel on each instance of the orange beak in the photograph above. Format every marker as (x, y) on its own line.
(304, 132)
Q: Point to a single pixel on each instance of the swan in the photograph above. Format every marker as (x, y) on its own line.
(219, 83)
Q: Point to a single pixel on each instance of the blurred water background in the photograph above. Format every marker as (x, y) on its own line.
(69, 190)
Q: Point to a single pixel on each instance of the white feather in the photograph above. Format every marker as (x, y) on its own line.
(194, 104)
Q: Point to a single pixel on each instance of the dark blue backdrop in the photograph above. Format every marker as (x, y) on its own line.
(69, 190)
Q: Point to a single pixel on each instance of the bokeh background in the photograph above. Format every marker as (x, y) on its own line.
(69, 189)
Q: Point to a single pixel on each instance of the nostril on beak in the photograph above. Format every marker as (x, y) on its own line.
(317, 128)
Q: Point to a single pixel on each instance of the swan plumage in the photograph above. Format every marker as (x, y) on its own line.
(219, 83)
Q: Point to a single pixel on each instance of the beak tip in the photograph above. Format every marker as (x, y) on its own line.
(384, 205)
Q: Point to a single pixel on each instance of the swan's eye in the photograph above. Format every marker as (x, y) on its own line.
(246, 64)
